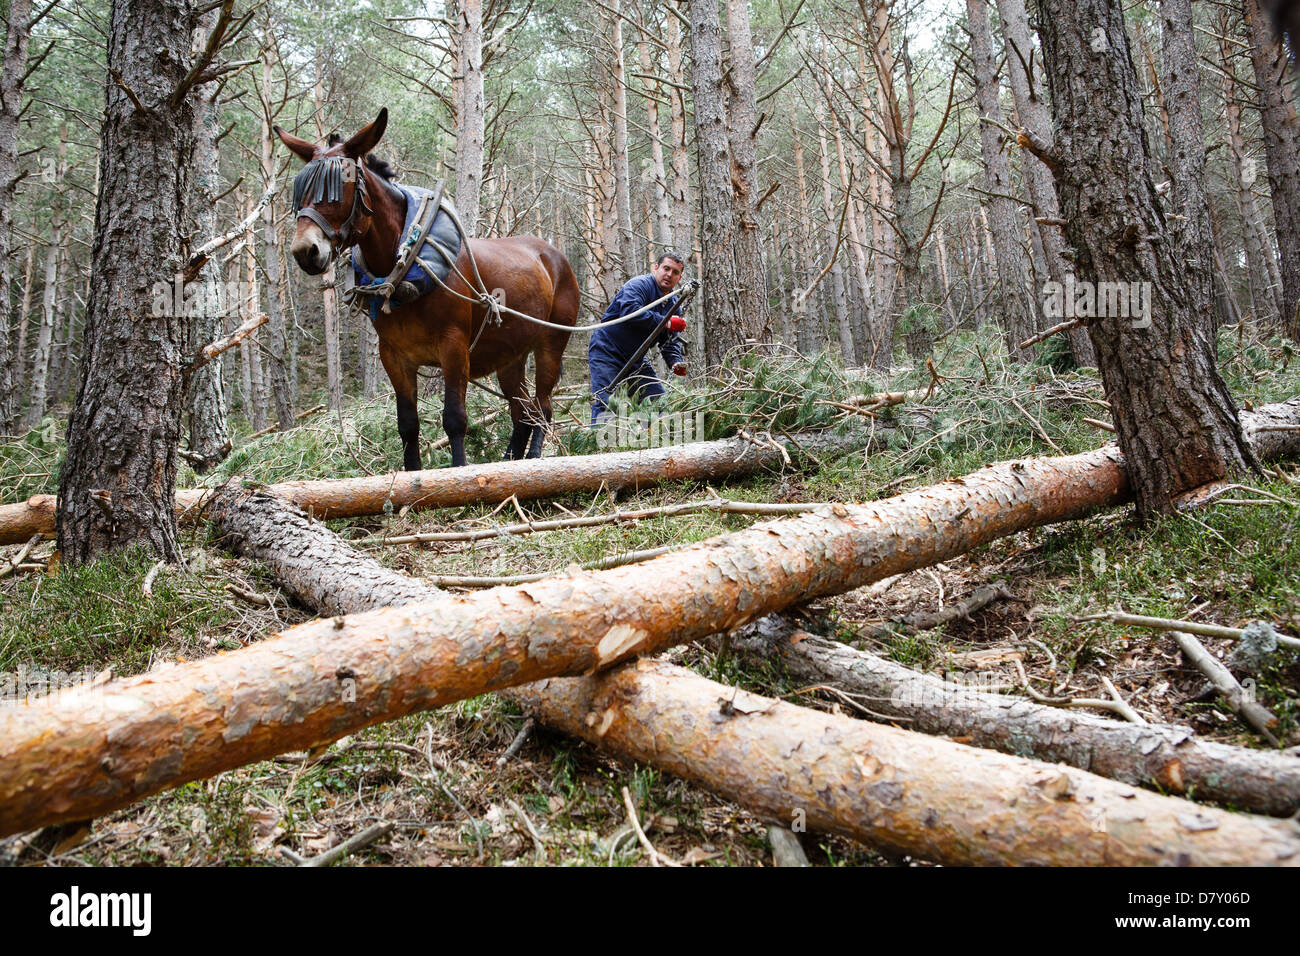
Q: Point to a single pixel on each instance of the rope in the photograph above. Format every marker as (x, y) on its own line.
(481, 297)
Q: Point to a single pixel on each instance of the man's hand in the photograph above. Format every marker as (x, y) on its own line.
(681, 368)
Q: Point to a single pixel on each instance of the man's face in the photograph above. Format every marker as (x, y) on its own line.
(667, 274)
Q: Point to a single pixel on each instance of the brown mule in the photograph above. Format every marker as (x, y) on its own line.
(526, 274)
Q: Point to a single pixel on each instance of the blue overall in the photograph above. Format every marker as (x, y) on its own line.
(611, 347)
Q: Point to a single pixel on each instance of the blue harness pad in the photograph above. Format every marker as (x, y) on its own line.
(443, 232)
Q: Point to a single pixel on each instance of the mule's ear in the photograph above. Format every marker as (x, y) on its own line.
(301, 147)
(368, 138)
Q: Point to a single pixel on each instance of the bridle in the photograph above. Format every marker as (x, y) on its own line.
(321, 180)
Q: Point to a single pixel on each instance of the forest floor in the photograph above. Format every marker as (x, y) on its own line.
(435, 776)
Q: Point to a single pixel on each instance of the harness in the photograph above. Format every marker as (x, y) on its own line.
(322, 180)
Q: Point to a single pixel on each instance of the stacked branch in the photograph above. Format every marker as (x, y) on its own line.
(80, 755)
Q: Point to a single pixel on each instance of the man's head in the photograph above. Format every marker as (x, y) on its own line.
(668, 271)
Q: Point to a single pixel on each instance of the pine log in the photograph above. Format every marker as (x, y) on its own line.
(75, 756)
(894, 789)
(1168, 757)
(493, 482)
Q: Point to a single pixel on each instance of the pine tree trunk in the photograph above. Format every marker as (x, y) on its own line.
(680, 190)
(1034, 115)
(1176, 422)
(209, 430)
(1273, 77)
(618, 121)
(43, 356)
(470, 117)
(17, 37)
(848, 350)
(663, 219)
(1182, 85)
(277, 372)
(1016, 304)
(118, 483)
(742, 129)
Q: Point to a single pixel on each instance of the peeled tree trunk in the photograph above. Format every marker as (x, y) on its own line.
(893, 788)
(488, 483)
(81, 754)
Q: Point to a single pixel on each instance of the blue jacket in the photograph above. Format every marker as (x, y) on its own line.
(624, 339)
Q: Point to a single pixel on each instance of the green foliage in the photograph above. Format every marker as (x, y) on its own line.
(96, 615)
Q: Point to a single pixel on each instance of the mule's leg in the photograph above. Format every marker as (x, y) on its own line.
(403, 376)
(455, 420)
(549, 359)
(511, 380)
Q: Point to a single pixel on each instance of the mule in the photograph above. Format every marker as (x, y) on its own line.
(526, 274)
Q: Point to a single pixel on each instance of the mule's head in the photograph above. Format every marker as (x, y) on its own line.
(330, 194)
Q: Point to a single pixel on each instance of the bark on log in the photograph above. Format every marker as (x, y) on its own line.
(1166, 756)
(892, 788)
(74, 757)
(492, 482)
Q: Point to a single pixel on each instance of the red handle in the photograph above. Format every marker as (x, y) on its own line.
(677, 324)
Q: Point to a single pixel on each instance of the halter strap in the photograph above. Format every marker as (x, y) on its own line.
(321, 180)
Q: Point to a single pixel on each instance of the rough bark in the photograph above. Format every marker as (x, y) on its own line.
(1176, 421)
(498, 481)
(17, 38)
(726, 293)
(1282, 150)
(209, 430)
(892, 788)
(1190, 227)
(1167, 757)
(848, 350)
(1034, 115)
(126, 422)
(1018, 309)
(43, 356)
(1262, 276)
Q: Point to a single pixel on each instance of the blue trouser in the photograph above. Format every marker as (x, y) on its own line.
(642, 382)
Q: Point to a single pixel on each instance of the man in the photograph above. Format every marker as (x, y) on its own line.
(612, 346)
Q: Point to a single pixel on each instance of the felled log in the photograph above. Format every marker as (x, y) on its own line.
(78, 756)
(1168, 757)
(894, 789)
(492, 482)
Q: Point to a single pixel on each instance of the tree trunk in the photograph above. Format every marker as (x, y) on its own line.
(1176, 421)
(1034, 115)
(80, 757)
(497, 481)
(1194, 244)
(727, 294)
(891, 788)
(1262, 276)
(743, 123)
(276, 369)
(680, 189)
(1282, 150)
(12, 77)
(118, 484)
(470, 115)
(1017, 308)
(618, 122)
(209, 431)
(848, 351)
(24, 313)
(42, 358)
(663, 219)
(1152, 755)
